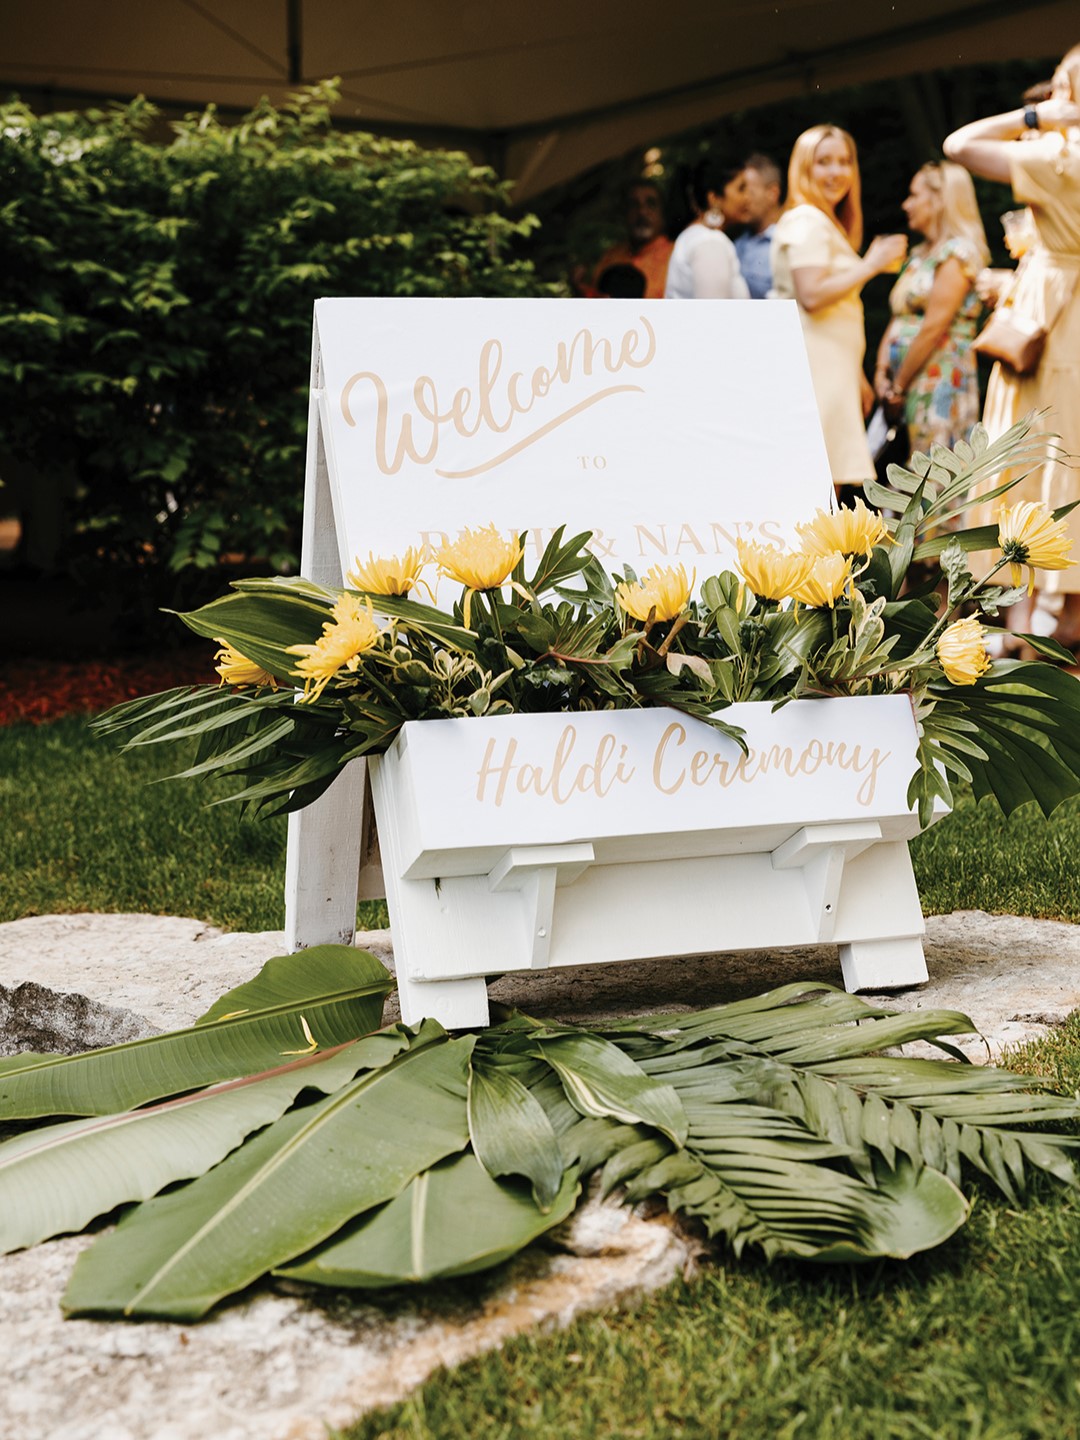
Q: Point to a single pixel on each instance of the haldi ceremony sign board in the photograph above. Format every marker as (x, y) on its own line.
(654, 425)
(478, 786)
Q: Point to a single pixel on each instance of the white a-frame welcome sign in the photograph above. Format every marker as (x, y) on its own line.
(527, 842)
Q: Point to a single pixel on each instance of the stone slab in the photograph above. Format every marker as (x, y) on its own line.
(282, 1363)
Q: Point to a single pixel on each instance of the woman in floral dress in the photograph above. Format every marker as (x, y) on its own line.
(925, 371)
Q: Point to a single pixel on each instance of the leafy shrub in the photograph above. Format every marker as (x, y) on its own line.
(155, 309)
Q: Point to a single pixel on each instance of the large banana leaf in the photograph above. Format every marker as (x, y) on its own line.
(321, 973)
(285, 1191)
(285, 1015)
(452, 1220)
(59, 1179)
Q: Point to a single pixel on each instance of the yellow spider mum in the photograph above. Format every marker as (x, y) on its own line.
(389, 575)
(664, 589)
(342, 645)
(479, 559)
(1029, 535)
(828, 579)
(853, 531)
(237, 669)
(962, 651)
(771, 573)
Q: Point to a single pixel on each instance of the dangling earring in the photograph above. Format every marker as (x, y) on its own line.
(714, 219)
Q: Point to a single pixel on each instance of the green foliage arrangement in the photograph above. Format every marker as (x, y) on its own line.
(155, 300)
(292, 1137)
(844, 616)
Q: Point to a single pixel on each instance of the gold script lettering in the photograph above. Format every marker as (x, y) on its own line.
(496, 403)
(671, 770)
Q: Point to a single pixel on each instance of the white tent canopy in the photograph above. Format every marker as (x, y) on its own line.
(543, 92)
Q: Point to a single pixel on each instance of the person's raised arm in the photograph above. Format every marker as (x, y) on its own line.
(983, 147)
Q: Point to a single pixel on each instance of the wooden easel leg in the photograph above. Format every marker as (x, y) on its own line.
(322, 864)
(893, 964)
(456, 1004)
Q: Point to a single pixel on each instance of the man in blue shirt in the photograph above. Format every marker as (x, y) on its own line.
(754, 245)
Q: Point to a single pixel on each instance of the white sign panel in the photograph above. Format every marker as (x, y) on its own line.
(542, 779)
(667, 429)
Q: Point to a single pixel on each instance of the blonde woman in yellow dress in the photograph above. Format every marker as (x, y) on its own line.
(816, 262)
(1044, 173)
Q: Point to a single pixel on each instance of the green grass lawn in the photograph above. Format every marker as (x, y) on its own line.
(976, 1341)
(86, 829)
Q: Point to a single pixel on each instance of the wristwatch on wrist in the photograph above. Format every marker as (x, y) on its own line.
(1031, 117)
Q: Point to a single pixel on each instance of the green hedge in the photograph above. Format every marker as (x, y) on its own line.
(156, 300)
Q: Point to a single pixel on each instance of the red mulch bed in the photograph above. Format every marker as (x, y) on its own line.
(35, 691)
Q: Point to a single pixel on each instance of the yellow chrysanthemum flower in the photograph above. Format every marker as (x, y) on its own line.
(853, 531)
(827, 580)
(1029, 535)
(663, 589)
(479, 559)
(390, 575)
(771, 573)
(342, 645)
(962, 651)
(237, 669)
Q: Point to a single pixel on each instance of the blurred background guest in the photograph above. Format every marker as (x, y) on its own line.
(1045, 176)
(816, 261)
(754, 245)
(703, 264)
(926, 372)
(646, 246)
(621, 282)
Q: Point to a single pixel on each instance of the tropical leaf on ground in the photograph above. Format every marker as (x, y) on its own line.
(600, 1080)
(834, 1080)
(511, 1132)
(59, 1178)
(938, 1114)
(452, 1220)
(800, 1021)
(320, 973)
(120, 1077)
(26, 1057)
(754, 1176)
(285, 1191)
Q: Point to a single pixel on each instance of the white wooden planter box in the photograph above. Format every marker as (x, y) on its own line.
(536, 841)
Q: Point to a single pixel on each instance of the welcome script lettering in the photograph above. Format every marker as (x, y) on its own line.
(564, 774)
(497, 400)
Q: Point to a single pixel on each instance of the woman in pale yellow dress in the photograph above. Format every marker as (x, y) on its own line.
(1037, 151)
(816, 261)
